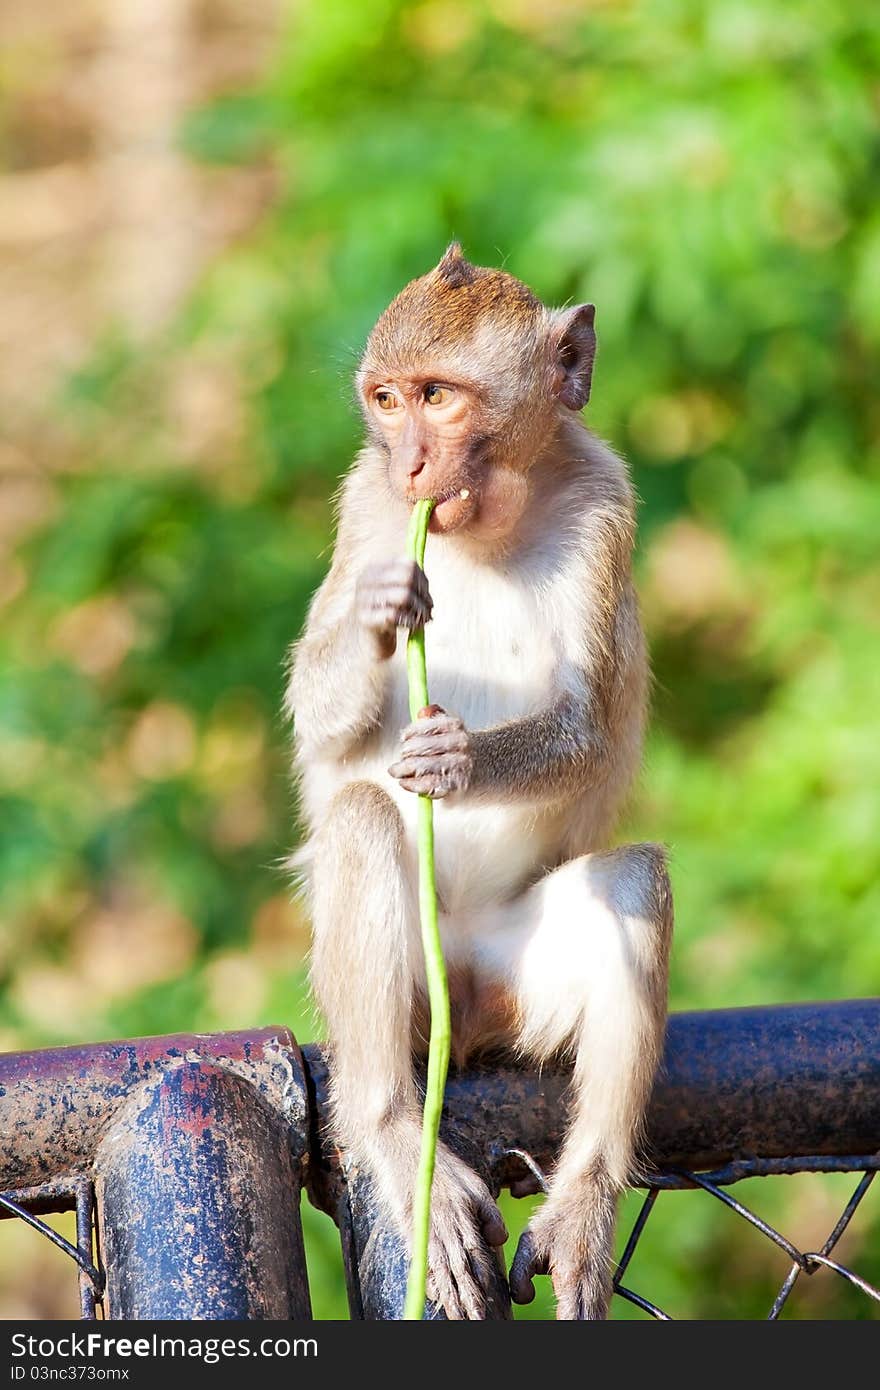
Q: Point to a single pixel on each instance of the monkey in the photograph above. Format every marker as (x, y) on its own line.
(556, 944)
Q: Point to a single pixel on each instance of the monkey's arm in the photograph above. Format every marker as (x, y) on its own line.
(542, 757)
(589, 735)
(336, 686)
(546, 755)
(339, 668)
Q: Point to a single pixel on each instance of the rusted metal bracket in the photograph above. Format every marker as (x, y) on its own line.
(196, 1148)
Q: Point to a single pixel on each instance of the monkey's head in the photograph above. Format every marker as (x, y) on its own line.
(464, 381)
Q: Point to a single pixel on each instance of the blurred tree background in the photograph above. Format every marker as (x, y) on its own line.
(205, 205)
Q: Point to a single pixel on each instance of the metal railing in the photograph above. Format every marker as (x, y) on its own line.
(184, 1157)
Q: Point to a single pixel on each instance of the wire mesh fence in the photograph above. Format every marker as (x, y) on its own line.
(31, 1204)
(66, 1194)
(803, 1262)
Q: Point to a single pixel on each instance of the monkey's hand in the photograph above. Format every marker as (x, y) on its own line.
(435, 755)
(392, 595)
(559, 1241)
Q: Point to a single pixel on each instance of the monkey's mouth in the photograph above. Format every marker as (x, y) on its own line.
(453, 511)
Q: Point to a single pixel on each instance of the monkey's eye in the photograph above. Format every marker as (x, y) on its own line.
(386, 400)
(436, 395)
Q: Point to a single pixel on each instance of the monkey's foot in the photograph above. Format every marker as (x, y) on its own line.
(465, 1222)
(569, 1241)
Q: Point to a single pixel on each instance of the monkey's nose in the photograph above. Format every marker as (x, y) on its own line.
(415, 468)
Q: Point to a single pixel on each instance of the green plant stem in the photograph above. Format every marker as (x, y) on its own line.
(438, 988)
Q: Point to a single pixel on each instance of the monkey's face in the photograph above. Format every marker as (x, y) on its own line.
(431, 431)
(463, 383)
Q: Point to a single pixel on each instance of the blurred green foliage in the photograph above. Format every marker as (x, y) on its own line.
(707, 174)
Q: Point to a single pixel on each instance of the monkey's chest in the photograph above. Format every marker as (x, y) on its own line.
(490, 655)
(490, 659)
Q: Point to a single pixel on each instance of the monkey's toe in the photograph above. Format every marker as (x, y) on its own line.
(530, 1259)
(527, 1186)
(492, 1223)
(459, 1277)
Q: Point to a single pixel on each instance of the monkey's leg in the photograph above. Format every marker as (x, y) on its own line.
(588, 961)
(366, 954)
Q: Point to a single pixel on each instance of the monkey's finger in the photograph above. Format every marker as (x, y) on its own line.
(394, 607)
(407, 581)
(401, 605)
(427, 725)
(406, 574)
(389, 619)
(439, 761)
(402, 587)
(398, 571)
(402, 568)
(436, 744)
(433, 717)
(526, 1263)
(429, 712)
(412, 616)
(397, 591)
(438, 730)
(435, 777)
(425, 786)
(393, 594)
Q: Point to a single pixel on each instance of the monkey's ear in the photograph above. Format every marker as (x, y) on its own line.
(452, 254)
(454, 268)
(574, 339)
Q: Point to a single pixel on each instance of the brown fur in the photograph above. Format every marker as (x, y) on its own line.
(443, 310)
(485, 1017)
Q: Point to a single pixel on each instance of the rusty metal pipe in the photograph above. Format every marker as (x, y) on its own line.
(196, 1195)
(789, 1081)
(55, 1104)
(796, 1079)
